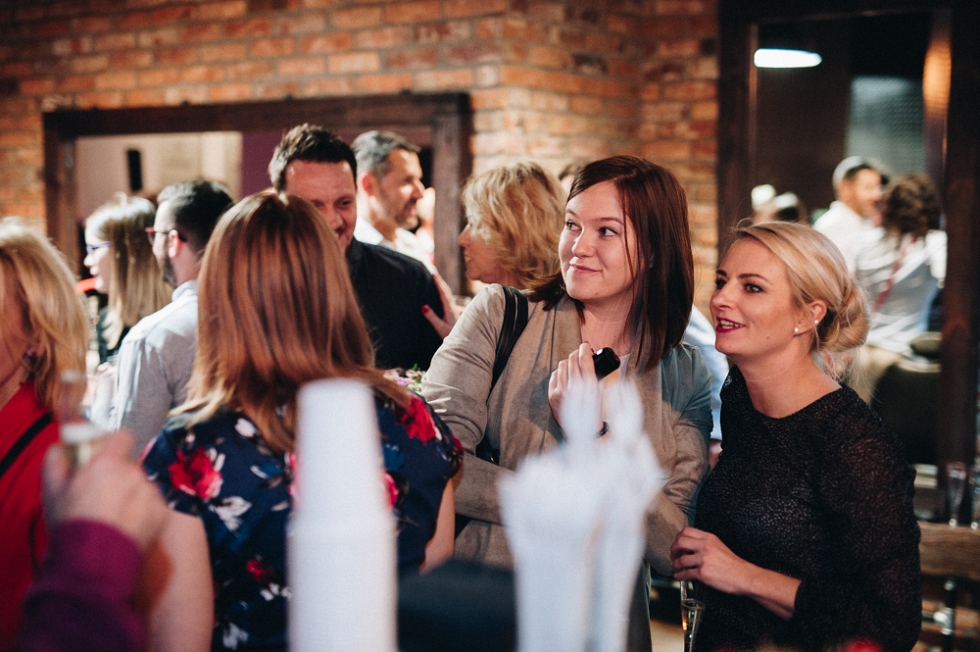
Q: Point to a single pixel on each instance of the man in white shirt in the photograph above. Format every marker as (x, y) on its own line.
(389, 185)
(157, 356)
(857, 182)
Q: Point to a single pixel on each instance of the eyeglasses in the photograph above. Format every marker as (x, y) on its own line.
(91, 249)
(152, 233)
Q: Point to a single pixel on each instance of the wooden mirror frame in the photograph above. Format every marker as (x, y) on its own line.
(953, 135)
(447, 117)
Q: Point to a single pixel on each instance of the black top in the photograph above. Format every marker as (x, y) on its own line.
(823, 495)
(104, 351)
(391, 289)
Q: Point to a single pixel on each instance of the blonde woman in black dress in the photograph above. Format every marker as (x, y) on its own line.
(805, 536)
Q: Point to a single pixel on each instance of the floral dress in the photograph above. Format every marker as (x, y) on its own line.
(222, 471)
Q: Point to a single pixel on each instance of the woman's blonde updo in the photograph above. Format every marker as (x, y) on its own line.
(817, 272)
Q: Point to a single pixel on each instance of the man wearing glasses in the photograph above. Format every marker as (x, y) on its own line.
(157, 356)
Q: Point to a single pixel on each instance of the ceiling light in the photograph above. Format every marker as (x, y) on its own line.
(780, 58)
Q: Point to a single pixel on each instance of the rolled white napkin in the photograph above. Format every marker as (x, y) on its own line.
(342, 565)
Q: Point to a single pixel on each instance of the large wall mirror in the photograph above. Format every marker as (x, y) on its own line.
(88, 154)
(897, 81)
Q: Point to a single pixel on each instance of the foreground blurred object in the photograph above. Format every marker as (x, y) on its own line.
(578, 548)
(342, 540)
(43, 333)
(102, 515)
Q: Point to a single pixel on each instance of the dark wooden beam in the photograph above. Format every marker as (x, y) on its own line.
(961, 293)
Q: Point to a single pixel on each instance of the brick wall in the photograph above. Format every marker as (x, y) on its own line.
(552, 81)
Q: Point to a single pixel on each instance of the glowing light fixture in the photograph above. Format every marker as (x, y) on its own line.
(781, 58)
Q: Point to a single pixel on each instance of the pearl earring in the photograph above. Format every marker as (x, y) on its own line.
(816, 321)
(796, 330)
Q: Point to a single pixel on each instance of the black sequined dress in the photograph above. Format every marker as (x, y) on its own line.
(823, 495)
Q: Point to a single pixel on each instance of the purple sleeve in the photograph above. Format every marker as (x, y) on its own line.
(83, 599)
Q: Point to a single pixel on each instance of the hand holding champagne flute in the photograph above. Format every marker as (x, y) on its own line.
(692, 611)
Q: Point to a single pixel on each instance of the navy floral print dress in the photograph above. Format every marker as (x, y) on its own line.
(221, 471)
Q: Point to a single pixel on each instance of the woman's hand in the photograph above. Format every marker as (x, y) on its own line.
(450, 310)
(578, 367)
(699, 555)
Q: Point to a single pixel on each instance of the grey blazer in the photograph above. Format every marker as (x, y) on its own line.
(518, 420)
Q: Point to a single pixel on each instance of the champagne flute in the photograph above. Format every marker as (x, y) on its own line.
(692, 611)
(79, 436)
(975, 481)
(955, 486)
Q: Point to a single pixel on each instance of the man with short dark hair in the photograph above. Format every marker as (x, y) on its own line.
(157, 356)
(392, 289)
(389, 185)
(857, 183)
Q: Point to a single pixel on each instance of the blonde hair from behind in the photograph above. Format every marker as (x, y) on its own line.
(136, 286)
(54, 317)
(281, 311)
(817, 272)
(518, 209)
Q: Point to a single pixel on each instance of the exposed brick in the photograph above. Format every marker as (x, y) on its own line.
(202, 32)
(488, 75)
(703, 68)
(514, 53)
(623, 108)
(667, 151)
(172, 14)
(443, 79)
(160, 77)
(454, 30)
(145, 97)
(334, 86)
(51, 28)
(158, 38)
(134, 20)
(705, 150)
(548, 57)
(609, 88)
(354, 62)
(16, 69)
(569, 125)
(412, 12)
(198, 74)
(661, 71)
(417, 58)
(132, 59)
(90, 24)
(545, 146)
(475, 53)
(248, 28)
(176, 55)
(488, 28)
(303, 24)
(690, 90)
(665, 111)
(552, 12)
(357, 17)
(523, 30)
(230, 92)
(589, 64)
(327, 43)
(390, 83)
(64, 47)
(693, 130)
(682, 48)
(228, 9)
(603, 43)
(531, 78)
(704, 111)
(490, 143)
(488, 98)
(665, 27)
(190, 94)
(458, 8)
(37, 86)
(95, 63)
(278, 90)
(668, 7)
(319, 4)
(115, 42)
(224, 52)
(704, 25)
(619, 24)
(29, 13)
(623, 69)
(382, 39)
(587, 105)
(249, 70)
(76, 84)
(104, 100)
(301, 67)
(552, 102)
(273, 47)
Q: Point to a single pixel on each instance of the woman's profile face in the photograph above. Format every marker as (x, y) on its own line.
(481, 264)
(752, 306)
(97, 261)
(592, 249)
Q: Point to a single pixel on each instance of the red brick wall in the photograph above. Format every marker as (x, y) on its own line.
(552, 81)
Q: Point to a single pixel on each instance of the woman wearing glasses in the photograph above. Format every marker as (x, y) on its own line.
(120, 259)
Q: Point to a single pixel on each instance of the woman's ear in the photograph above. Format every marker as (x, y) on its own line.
(816, 311)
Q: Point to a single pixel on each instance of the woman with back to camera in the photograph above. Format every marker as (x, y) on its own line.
(805, 535)
(282, 312)
(43, 335)
(901, 265)
(120, 258)
(626, 282)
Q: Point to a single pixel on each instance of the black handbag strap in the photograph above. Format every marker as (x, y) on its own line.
(515, 319)
(24, 441)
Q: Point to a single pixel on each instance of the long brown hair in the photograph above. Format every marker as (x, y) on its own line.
(655, 203)
(277, 310)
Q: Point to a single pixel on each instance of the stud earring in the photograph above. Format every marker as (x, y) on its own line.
(816, 321)
(796, 330)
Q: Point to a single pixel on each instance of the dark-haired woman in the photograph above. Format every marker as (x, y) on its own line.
(626, 282)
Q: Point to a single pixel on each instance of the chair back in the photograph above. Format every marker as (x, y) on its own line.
(907, 399)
